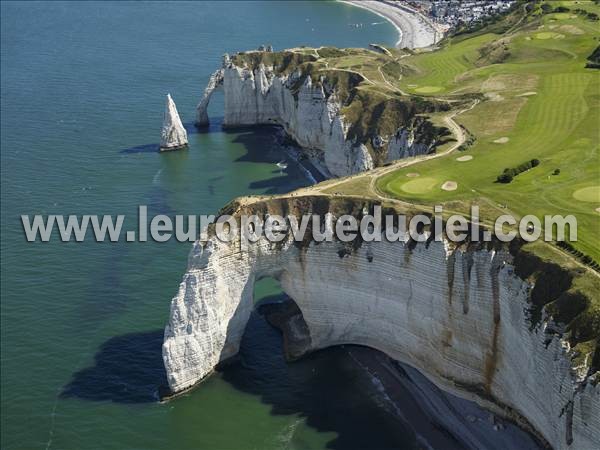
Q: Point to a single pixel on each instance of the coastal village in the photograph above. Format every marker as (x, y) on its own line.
(457, 13)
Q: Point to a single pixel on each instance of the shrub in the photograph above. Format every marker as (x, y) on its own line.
(594, 59)
(556, 172)
(509, 173)
(546, 8)
(561, 9)
(504, 178)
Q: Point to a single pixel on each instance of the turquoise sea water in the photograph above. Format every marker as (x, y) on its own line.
(83, 88)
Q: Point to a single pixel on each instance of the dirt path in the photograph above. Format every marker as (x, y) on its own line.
(394, 88)
(456, 129)
(375, 174)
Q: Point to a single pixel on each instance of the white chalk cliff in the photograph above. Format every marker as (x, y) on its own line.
(172, 136)
(460, 316)
(310, 113)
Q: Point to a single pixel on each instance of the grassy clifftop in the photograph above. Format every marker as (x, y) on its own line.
(539, 101)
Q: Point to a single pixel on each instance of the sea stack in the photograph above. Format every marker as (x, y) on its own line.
(173, 136)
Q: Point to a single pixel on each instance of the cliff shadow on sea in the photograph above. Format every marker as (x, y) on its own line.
(356, 392)
(262, 144)
(190, 128)
(332, 390)
(326, 389)
(128, 369)
(267, 144)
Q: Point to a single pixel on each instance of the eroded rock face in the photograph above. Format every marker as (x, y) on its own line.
(287, 318)
(173, 136)
(460, 316)
(310, 114)
(215, 80)
(404, 145)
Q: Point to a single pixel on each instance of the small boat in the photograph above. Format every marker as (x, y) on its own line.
(282, 165)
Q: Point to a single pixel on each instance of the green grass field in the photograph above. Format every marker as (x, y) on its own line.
(538, 101)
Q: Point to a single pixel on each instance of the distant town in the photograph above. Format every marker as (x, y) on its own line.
(455, 13)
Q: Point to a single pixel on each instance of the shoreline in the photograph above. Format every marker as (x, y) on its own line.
(385, 17)
(413, 29)
(434, 409)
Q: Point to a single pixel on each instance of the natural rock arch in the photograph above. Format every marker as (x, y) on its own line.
(460, 316)
(311, 114)
(214, 82)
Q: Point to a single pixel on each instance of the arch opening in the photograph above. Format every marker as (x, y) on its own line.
(283, 313)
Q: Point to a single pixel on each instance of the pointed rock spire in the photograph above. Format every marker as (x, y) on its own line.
(173, 136)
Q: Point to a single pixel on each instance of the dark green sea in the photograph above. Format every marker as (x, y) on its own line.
(82, 99)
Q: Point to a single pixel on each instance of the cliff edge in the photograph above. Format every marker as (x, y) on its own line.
(344, 118)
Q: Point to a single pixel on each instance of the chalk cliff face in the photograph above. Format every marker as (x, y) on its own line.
(173, 136)
(458, 315)
(311, 112)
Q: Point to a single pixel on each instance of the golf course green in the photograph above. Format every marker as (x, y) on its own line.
(536, 98)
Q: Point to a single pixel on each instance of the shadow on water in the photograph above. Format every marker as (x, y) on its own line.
(262, 146)
(145, 148)
(189, 127)
(325, 388)
(214, 126)
(128, 369)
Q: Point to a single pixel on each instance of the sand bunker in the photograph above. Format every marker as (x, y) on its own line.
(464, 158)
(428, 89)
(597, 210)
(494, 96)
(502, 140)
(549, 35)
(527, 94)
(571, 29)
(412, 175)
(450, 186)
(504, 81)
(495, 83)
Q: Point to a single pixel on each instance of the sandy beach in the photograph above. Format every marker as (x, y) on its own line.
(414, 29)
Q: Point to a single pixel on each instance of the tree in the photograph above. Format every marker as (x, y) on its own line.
(504, 178)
